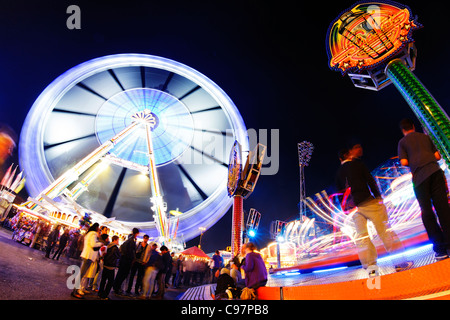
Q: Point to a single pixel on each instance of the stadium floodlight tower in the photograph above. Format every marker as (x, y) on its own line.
(305, 150)
(372, 43)
(241, 183)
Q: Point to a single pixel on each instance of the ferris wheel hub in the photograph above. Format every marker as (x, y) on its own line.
(146, 117)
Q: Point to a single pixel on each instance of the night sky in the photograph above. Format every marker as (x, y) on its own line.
(269, 57)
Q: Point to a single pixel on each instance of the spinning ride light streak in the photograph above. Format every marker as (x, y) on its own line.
(398, 196)
(194, 126)
(372, 43)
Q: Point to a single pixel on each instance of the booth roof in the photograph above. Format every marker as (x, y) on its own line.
(195, 251)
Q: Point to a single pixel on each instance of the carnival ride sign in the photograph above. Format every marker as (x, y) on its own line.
(369, 34)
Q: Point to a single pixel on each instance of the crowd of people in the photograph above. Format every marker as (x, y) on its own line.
(150, 270)
(136, 269)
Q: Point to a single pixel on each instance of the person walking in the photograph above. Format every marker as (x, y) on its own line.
(51, 240)
(103, 238)
(417, 151)
(153, 263)
(73, 239)
(166, 260)
(217, 264)
(62, 244)
(110, 264)
(138, 267)
(366, 196)
(128, 251)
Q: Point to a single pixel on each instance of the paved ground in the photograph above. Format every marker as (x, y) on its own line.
(25, 274)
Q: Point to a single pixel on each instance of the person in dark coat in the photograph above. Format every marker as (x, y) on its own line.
(128, 251)
(225, 282)
(62, 244)
(110, 264)
(51, 240)
(161, 277)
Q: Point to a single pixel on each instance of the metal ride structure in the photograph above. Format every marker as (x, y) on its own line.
(116, 131)
(241, 184)
(305, 150)
(372, 43)
(252, 224)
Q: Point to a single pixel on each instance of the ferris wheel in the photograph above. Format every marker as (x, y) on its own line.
(193, 125)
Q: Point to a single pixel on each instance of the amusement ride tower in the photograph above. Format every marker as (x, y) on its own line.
(241, 183)
(372, 43)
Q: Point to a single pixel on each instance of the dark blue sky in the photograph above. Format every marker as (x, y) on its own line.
(269, 57)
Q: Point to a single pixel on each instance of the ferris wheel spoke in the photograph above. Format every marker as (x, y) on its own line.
(166, 84)
(142, 73)
(209, 156)
(114, 194)
(223, 133)
(74, 112)
(193, 183)
(114, 76)
(49, 146)
(209, 109)
(85, 87)
(125, 80)
(187, 94)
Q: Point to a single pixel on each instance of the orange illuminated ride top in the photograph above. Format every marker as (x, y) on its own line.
(369, 34)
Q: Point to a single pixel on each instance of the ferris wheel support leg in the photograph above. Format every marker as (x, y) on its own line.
(236, 232)
(157, 200)
(59, 185)
(430, 114)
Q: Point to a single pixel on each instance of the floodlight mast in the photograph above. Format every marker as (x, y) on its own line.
(158, 206)
(305, 150)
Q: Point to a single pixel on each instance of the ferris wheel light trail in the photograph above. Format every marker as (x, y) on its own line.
(86, 106)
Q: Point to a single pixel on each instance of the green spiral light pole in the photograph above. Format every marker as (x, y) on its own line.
(430, 114)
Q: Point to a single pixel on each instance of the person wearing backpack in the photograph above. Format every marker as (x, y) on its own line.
(110, 263)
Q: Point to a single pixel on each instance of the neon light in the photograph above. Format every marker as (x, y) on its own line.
(368, 34)
(330, 270)
(409, 252)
